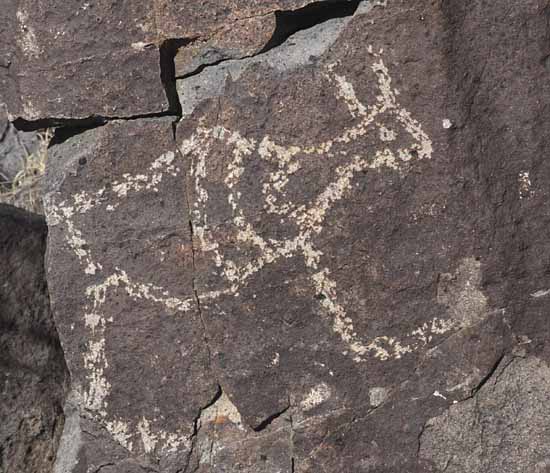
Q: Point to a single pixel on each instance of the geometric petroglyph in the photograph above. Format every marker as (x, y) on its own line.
(308, 219)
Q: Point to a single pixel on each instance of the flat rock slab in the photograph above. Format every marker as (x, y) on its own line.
(78, 60)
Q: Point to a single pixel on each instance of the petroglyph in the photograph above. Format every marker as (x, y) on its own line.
(309, 218)
(95, 358)
(524, 184)
(378, 395)
(27, 38)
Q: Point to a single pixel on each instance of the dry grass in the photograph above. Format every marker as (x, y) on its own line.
(25, 190)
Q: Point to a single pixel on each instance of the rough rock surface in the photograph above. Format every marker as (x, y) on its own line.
(60, 60)
(504, 428)
(33, 375)
(139, 278)
(336, 261)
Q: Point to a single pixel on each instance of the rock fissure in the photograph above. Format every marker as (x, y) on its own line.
(287, 23)
(291, 446)
(84, 124)
(423, 428)
(269, 420)
(168, 50)
(195, 289)
(197, 427)
(290, 22)
(104, 465)
(202, 67)
(489, 375)
(5, 131)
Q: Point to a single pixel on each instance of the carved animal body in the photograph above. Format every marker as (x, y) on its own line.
(281, 167)
(297, 225)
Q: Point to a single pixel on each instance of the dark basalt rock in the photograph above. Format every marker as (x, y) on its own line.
(62, 61)
(124, 301)
(33, 375)
(338, 261)
(76, 61)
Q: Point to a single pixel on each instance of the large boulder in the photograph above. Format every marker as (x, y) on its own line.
(33, 375)
(335, 261)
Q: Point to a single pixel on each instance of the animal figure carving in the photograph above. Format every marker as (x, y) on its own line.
(278, 166)
(303, 221)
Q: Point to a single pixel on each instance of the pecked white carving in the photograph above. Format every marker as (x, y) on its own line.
(310, 220)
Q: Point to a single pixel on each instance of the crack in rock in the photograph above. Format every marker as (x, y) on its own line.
(293, 46)
(285, 24)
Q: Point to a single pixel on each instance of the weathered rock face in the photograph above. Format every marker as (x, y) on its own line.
(81, 60)
(504, 428)
(335, 261)
(106, 59)
(140, 279)
(33, 375)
